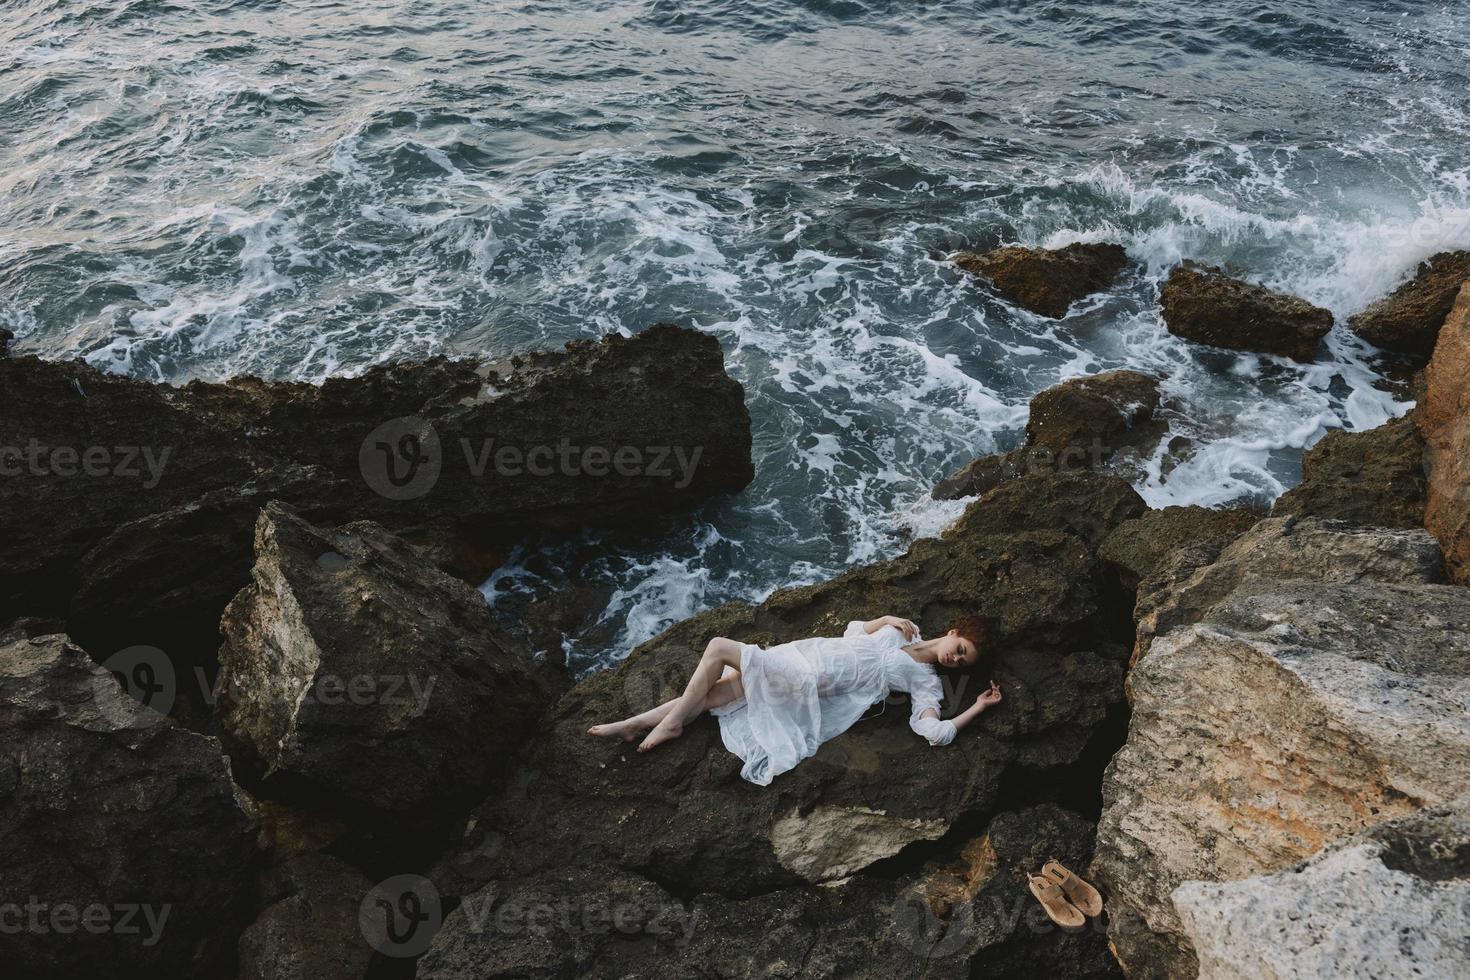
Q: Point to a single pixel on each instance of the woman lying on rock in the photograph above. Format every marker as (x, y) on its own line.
(778, 704)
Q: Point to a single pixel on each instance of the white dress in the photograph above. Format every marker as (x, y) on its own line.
(799, 695)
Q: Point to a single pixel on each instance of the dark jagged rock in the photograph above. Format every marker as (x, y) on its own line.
(570, 612)
(1374, 477)
(109, 811)
(1444, 421)
(309, 929)
(1086, 504)
(683, 817)
(933, 921)
(159, 581)
(984, 473)
(1408, 320)
(1092, 417)
(1137, 547)
(1078, 424)
(1046, 281)
(358, 678)
(1204, 304)
(981, 898)
(6, 337)
(453, 455)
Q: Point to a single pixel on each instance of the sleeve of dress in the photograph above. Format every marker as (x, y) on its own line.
(924, 697)
(855, 630)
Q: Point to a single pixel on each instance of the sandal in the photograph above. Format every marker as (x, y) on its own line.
(1057, 908)
(1078, 892)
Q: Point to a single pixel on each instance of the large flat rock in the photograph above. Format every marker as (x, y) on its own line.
(1391, 903)
(1186, 585)
(683, 817)
(1047, 281)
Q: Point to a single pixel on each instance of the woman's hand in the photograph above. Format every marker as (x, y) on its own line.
(988, 698)
(904, 626)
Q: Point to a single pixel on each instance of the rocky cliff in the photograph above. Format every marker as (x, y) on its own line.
(130, 512)
(1252, 731)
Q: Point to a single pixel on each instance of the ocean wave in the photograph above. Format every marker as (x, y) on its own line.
(297, 192)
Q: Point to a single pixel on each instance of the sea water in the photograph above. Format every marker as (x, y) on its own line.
(303, 188)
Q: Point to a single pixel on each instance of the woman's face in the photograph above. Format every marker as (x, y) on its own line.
(955, 651)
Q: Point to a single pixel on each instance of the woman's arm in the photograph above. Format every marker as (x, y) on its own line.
(904, 626)
(990, 696)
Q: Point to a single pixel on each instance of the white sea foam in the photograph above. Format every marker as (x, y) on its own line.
(306, 220)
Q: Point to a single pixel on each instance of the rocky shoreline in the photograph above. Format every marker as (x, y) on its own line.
(1253, 730)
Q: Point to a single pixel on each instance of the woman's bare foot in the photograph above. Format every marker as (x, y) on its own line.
(627, 729)
(662, 732)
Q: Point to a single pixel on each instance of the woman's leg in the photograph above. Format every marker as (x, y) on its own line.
(720, 653)
(720, 695)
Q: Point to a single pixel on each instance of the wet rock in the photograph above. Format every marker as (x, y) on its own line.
(1135, 548)
(310, 929)
(1392, 901)
(1374, 477)
(1444, 421)
(1046, 281)
(683, 817)
(452, 455)
(1408, 320)
(984, 473)
(125, 843)
(1192, 580)
(1086, 504)
(1078, 424)
(1093, 417)
(567, 615)
(6, 337)
(356, 677)
(933, 921)
(1305, 704)
(1204, 304)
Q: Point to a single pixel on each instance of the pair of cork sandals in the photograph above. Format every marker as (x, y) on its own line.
(1067, 899)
